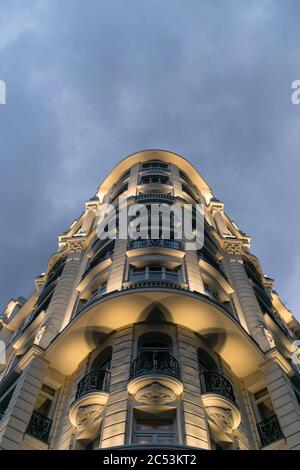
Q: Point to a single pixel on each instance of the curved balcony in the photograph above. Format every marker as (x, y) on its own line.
(156, 243)
(155, 378)
(152, 197)
(219, 400)
(90, 399)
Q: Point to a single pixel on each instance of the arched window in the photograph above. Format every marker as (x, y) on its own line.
(155, 341)
(103, 360)
(206, 362)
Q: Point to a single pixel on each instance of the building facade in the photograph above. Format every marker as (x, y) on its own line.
(143, 343)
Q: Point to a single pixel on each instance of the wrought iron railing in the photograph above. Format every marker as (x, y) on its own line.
(155, 197)
(39, 427)
(96, 381)
(155, 362)
(97, 260)
(269, 431)
(155, 243)
(212, 382)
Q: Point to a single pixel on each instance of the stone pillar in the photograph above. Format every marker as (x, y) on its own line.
(115, 279)
(177, 186)
(220, 222)
(18, 414)
(115, 420)
(233, 263)
(195, 280)
(88, 222)
(133, 180)
(284, 401)
(64, 293)
(194, 421)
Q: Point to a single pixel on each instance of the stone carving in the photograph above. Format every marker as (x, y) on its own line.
(155, 394)
(261, 328)
(88, 416)
(40, 333)
(220, 418)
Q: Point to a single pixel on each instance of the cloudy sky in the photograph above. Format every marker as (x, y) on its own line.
(91, 81)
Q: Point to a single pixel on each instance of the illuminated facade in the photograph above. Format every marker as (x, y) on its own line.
(146, 344)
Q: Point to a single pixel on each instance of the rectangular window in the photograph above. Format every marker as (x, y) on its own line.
(263, 404)
(45, 401)
(154, 430)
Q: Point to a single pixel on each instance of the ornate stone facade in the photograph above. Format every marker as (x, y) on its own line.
(125, 344)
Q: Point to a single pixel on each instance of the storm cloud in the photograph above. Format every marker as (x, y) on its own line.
(89, 82)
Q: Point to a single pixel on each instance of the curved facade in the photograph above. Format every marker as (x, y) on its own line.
(142, 343)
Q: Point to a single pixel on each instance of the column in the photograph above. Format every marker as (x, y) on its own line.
(284, 401)
(177, 186)
(133, 180)
(195, 280)
(18, 414)
(194, 421)
(64, 296)
(115, 420)
(115, 279)
(233, 263)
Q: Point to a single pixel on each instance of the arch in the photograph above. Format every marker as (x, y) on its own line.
(102, 360)
(155, 340)
(205, 360)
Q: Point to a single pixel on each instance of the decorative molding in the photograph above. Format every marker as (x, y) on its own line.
(155, 394)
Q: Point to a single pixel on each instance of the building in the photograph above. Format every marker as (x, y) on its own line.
(132, 343)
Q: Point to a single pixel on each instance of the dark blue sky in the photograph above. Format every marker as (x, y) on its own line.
(90, 81)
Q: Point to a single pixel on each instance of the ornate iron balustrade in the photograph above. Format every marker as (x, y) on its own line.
(212, 382)
(39, 427)
(155, 362)
(97, 260)
(155, 197)
(269, 431)
(155, 169)
(96, 381)
(156, 243)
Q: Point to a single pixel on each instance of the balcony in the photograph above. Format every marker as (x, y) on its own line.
(90, 399)
(155, 378)
(97, 260)
(39, 427)
(156, 243)
(219, 400)
(269, 431)
(96, 381)
(155, 197)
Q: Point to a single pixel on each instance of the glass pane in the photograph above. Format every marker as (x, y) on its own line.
(165, 439)
(154, 424)
(43, 405)
(261, 393)
(265, 409)
(140, 439)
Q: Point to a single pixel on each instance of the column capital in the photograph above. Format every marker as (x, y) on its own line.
(234, 250)
(75, 245)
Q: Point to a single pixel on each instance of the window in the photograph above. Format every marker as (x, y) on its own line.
(155, 164)
(45, 401)
(154, 179)
(263, 403)
(154, 430)
(154, 273)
